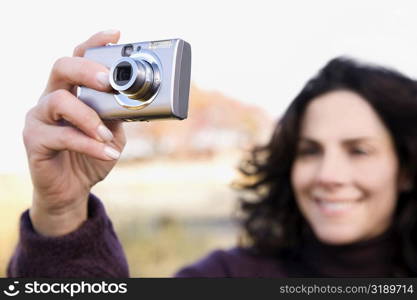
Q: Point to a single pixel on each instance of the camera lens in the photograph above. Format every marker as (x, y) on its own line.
(137, 79)
(123, 73)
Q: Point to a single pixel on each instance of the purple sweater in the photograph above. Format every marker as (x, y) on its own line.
(95, 251)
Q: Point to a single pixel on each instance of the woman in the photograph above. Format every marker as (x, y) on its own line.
(334, 188)
(340, 177)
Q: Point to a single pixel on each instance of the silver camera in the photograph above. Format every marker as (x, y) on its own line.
(150, 80)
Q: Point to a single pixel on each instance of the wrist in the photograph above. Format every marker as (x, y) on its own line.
(54, 222)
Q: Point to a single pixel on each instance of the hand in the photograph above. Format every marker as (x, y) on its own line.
(69, 148)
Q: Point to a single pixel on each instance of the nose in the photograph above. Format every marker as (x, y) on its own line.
(333, 170)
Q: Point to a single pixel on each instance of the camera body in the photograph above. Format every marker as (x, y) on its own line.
(150, 80)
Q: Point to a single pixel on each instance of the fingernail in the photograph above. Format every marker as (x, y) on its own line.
(104, 133)
(103, 78)
(112, 153)
(110, 31)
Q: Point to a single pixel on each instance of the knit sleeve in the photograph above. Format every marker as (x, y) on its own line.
(93, 250)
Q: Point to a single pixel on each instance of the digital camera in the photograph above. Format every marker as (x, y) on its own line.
(150, 80)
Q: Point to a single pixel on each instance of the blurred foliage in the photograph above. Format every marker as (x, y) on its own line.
(15, 195)
(161, 247)
(215, 123)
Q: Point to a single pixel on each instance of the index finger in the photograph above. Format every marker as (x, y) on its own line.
(101, 38)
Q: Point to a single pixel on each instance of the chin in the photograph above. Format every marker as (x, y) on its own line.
(335, 235)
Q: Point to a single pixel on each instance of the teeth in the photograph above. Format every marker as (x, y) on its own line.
(335, 207)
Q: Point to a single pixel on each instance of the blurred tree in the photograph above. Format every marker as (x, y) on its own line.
(215, 123)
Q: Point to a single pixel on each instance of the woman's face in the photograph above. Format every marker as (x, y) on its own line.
(346, 169)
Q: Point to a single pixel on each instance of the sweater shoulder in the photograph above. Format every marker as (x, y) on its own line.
(233, 262)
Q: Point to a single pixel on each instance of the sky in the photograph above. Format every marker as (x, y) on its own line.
(260, 52)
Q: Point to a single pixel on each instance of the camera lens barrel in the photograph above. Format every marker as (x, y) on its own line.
(135, 78)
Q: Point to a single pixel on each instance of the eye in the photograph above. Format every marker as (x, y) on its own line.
(308, 151)
(357, 151)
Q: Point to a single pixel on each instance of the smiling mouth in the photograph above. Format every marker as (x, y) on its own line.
(335, 208)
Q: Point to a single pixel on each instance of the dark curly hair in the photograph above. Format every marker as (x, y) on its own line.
(271, 219)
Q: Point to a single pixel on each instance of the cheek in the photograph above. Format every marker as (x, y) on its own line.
(380, 188)
(378, 178)
(302, 177)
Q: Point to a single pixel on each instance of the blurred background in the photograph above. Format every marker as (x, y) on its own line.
(170, 197)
